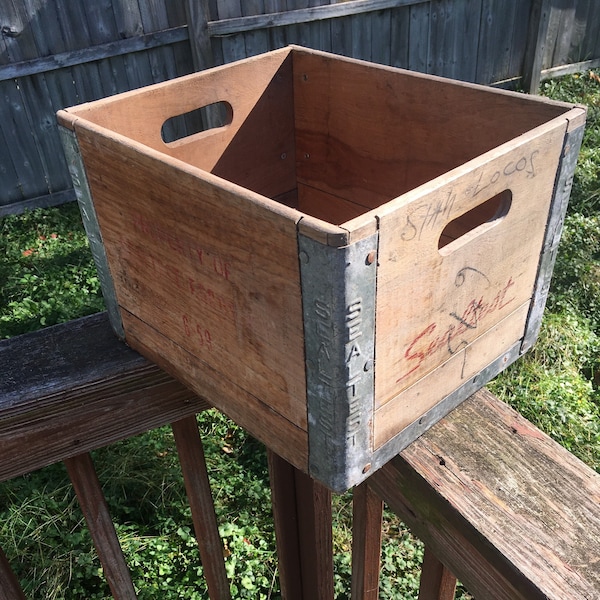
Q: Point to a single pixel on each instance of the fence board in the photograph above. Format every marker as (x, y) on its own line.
(454, 38)
(381, 37)
(11, 192)
(233, 46)
(400, 37)
(592, 47)
(562, 51)
(520, 28)
(341, 36)
(419, 33)
(495, 41)
(257, 41)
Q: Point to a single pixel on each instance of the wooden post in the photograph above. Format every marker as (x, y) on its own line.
(437, 582)
(536, 45)
(193, 466)
(302, 514)
(95, 510)
(10, 588)
(367, 509)
(198, 15)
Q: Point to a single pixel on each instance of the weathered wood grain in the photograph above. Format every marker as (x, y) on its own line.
(230, 25)
(62, 60)
(10, 588)
(367, 521)
(383, 144)
(510, 512)
(437, 583)
(237, 308)
(278, 433)
(465, 288)
(260, 98)
(64, 52)
(463, 366)
(117, 394)
(197, 485)
(95, 510)
(533, 61)
(303, 529)
(495, 41)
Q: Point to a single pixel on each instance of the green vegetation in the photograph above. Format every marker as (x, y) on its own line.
(557, 385)
(47, 277)
(46, 270)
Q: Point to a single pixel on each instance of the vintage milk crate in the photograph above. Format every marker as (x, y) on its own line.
(352, 252)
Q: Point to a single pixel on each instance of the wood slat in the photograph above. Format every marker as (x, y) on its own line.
(197, 485)
(227, 25)
(44, 64)
(437, 582)
(495, 41)
(367, 520)
(303, 520)
(117, 394)
(10, 588)
(95, 510)
(509, 511)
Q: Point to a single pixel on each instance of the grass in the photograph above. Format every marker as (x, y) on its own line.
(48, 277)
(46, 271)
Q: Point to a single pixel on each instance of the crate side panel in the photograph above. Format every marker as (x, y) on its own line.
(140, 114)
(369, 134)
(460, 369)
(213, 270)
(432, 303)
(283, 437)
(261, 153)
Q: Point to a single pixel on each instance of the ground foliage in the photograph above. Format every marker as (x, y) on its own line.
(47, 277)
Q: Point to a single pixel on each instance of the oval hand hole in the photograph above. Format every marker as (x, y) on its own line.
(473, 223)
(205, 118)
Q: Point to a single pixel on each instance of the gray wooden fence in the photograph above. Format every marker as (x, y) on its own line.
(58, 53)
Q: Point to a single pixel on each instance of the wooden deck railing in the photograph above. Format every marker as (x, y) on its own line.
(498, 504)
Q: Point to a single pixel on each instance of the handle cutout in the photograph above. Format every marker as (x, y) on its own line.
(205, 118)
(474, 222)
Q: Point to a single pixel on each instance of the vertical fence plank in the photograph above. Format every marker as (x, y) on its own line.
(233, 46)
(520, 32)
(381, 40)
(198, 15)
(536, 43)
(562, 48)
(321, 30)
(10, 191)
(418, 37)
(277, 37)
(454, 38)
(400, 37)
(361, 36)
(495, 41)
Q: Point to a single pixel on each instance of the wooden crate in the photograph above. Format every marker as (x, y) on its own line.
(352, 252)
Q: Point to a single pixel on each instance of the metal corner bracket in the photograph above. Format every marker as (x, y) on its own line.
(338, 301)
(92, 228)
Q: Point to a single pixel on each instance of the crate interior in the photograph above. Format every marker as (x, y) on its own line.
(336, 138)
(363, 136)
